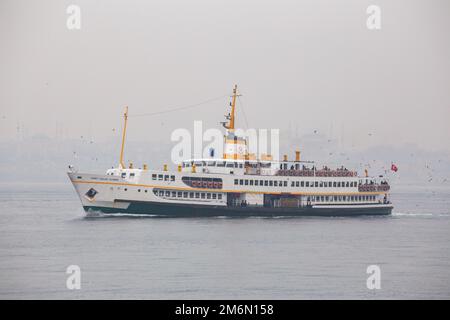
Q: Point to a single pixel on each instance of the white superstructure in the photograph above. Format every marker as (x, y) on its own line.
(236, 183)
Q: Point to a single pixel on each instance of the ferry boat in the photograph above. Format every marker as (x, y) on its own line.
(236, 184)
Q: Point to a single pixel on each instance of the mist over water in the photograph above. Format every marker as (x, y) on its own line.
(43, 230)
(339, 92)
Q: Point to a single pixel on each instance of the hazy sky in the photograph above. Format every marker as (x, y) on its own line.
(311, 64)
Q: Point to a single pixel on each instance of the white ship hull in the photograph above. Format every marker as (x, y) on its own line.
(113, 194)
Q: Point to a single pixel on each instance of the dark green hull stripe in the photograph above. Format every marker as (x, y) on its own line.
(183, 210)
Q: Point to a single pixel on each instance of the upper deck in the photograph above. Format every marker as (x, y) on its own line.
(260, 167)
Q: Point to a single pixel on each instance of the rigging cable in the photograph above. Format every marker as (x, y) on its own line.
(178, 108)
(243, 112)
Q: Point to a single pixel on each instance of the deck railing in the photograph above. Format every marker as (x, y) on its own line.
(317, 173)
(373, 187)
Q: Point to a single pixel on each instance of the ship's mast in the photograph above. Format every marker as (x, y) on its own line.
(234, 147)
(231, 116)
(233, 108)
(125, 119)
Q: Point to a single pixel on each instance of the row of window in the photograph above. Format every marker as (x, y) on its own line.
(126, 189)
(312, 184)
(214, 164)
(340, 198)
(188, 195)
(163, 177)
(124, 174)
(218, 196)
(196, 182)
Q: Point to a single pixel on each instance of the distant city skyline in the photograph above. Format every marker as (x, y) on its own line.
(313, 64)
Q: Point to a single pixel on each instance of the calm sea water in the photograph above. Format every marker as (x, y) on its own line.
(43, 230)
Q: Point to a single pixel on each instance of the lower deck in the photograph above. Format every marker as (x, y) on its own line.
(112, 195)
(183, 210)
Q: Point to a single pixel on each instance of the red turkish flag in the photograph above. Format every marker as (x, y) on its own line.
(394, 168)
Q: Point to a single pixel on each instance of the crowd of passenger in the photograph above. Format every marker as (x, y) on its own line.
(313, 171)
(372, 186)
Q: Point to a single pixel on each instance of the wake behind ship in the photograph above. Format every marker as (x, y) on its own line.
(238, 184)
